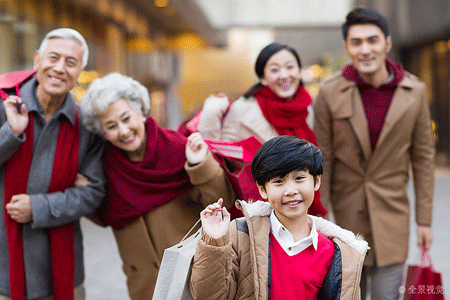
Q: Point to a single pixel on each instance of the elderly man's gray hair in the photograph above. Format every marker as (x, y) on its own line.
(66, 33)
(105, 91)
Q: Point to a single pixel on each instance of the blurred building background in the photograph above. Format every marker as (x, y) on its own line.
(184, 50)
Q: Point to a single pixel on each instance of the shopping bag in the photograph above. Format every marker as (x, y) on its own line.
(173, 276)
(422, 281)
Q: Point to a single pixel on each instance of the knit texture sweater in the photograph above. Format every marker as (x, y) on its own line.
(299, 276)
(376, 101)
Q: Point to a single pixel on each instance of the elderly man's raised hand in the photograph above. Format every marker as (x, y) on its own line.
(196, 149)
(17, 120)
(215, 220)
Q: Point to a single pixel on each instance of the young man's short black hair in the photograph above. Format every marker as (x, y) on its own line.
(365, 15)
(283, 154)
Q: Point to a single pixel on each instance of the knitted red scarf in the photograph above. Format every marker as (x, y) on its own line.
(65, 168)
(287, 116)
(135, 188)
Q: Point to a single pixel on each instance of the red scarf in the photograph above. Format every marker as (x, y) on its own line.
(287, 116)
(65, 168)
(135, 188)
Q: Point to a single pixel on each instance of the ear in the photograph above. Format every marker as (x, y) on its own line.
(344, 44)
(263, 81)
(388, 44)
(262, 191)
(36, 60)
(318, 182)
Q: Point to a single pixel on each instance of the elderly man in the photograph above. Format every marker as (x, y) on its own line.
(44, 148)
(373, 125)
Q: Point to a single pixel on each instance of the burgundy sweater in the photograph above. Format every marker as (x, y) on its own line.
(376, 101)
(299, 276)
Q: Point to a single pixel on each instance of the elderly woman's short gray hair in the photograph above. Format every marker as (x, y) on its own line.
(108, 89)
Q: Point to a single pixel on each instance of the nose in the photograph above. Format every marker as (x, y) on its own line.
(291, 190)
(123, 129)
(284, 73)
(59, 65)
(365, 48)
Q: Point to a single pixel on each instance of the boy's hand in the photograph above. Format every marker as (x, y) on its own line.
(18, 120)
(196, 149)
(215, 220)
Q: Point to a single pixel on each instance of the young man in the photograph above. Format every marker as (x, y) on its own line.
(373, 123)
(43, 146)
(277, 250)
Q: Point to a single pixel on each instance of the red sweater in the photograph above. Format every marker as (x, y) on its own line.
(376, 101)
(299, 276)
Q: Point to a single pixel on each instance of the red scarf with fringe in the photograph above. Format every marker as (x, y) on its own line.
(65, 168)
(135, 188)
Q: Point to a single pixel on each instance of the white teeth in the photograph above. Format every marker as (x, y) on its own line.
(293, 202)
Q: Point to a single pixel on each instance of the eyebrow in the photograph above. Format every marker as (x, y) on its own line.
(364, 38)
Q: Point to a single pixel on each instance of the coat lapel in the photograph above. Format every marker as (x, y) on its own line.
(400, 103)
(354, 111)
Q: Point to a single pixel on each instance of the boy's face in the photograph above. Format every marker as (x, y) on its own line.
(292, 195)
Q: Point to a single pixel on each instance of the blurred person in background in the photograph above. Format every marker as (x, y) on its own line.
(373, 125)
(43, 145)
(277, 105)
(158, 180)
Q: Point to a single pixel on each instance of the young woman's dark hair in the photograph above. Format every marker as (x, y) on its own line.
(261, 61)
(283, 154)
(365, 15)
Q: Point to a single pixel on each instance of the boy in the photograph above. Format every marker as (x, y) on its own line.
(277, 250)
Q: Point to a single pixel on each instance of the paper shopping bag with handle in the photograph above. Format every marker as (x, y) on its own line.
(422, 281)
(173, 276)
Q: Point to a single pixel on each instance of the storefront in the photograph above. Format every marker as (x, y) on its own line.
(430, 60)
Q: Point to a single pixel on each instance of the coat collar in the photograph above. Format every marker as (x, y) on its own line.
(28, 95)
(325, 227)
(353, 110)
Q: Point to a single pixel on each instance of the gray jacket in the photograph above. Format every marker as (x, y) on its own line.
(49, 210)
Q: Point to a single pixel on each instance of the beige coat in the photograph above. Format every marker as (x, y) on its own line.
(141, 244)
(368, 189)
(243, 120)
(236, 266)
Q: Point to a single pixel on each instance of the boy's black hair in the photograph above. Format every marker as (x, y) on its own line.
(261, 61)
(365, 15)
(283, 154)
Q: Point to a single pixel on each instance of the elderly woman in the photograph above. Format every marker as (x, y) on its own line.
(158, 181)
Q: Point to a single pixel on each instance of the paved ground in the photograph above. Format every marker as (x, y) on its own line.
(106, 281)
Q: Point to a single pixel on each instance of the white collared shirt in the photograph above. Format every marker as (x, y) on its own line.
(286, 239)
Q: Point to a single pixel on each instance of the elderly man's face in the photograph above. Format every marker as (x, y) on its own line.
(59, 67)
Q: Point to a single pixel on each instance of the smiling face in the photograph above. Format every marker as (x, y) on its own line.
(59, 67)
(291, 195)
(282, 74)
(367, 48)
(125, 128)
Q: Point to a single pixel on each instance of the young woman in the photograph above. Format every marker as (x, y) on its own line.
(277, 105)
(158, 180)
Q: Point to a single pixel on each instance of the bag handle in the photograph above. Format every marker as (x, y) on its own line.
(425, 257)
(4, 95)
(190, 230)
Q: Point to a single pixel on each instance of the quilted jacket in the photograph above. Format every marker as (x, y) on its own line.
(237, 265)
